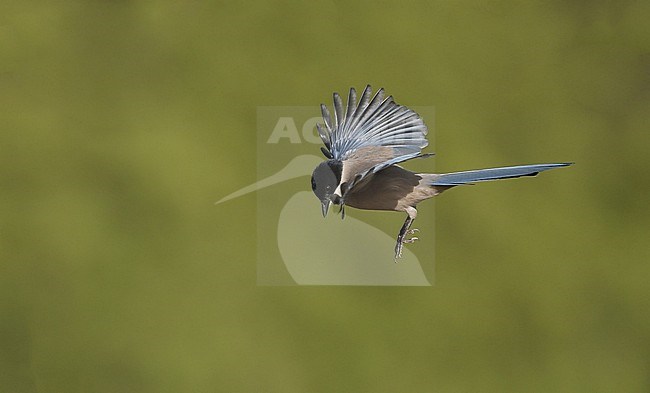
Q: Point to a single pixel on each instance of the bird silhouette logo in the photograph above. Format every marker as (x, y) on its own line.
(359, 247)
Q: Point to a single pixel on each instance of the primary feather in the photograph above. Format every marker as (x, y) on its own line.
(375, 133)
(373, 122)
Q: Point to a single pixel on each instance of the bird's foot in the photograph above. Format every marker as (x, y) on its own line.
(401, 241)
(411, 232)
(398, 250)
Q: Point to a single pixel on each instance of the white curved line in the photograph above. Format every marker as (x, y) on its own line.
(299, 166)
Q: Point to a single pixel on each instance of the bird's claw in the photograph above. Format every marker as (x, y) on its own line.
(410, 232)
(401, 241)
(398, 251)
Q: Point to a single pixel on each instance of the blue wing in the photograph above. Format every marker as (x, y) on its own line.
(371, 135)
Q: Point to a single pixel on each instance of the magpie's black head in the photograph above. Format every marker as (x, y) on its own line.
(325, 180)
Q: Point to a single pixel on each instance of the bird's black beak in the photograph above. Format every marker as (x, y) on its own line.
(325, 205)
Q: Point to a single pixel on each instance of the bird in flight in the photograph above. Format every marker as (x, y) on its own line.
(365, 142)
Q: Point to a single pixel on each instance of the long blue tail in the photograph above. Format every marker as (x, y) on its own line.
(467, 177)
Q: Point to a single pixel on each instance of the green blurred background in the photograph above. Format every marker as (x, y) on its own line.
(123, 122)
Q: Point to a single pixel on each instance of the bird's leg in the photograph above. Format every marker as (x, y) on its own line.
(401, 237)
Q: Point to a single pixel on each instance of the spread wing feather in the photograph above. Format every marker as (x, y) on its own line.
(375, 133)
